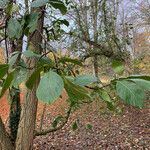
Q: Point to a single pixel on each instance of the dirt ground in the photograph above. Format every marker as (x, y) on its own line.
(129, 130)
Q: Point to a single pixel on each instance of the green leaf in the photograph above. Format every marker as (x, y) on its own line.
(39, 3)
(13, 58)
(131, 93)
(139, 77)
(19, 77)
(50, 87)
(75, 92)
(60, 22)
(84, 80)
(3, 70)
(65, 22)
(15, 8)
(106, 98)
(31, 22)
(104, 95)
(144, 84)
(33, 78)
(9, 7)
(144, 77)
(118, 67)
(74, 126)
(89, 126)
(29, 53)
(57, 4)
(46, 61)
(14, 28)
(7, 83)
(71, 78)
(56, 121)
(70, 60)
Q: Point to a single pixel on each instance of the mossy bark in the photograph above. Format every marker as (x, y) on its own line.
(15, 110)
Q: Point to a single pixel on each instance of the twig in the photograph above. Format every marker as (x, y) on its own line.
(6, 47)
(2, 40)
(42, 117)
(49, 130)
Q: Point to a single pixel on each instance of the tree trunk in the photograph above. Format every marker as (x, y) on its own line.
(5, 143)
(15, 110)
(95, 10)
(96, 65)
(15, 107)
(94, 4)
(26, 128)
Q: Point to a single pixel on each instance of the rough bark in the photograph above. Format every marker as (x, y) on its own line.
(15, 110)
(5, 143)
(26, 128)
(15, 107)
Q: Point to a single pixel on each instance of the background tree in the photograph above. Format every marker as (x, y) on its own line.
(97, 33)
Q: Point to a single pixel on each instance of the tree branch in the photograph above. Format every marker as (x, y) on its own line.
(49, 130)
(42, 117)
(102, 50)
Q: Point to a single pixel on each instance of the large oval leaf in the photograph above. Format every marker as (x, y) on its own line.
(84, 80)
(14, 28)
(75, 92)
(50, 87)
(144, 77)
(144, 84)
(19, 77)
(131, 93)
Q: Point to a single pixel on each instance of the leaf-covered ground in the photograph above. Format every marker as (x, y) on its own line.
(129, 130)
(110, 131)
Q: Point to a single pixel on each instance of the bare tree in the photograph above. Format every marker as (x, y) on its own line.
(97, 30)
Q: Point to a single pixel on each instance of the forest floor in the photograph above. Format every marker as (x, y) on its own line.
(129, 130)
